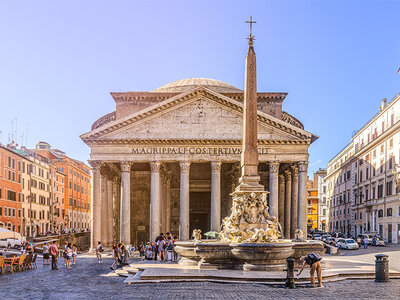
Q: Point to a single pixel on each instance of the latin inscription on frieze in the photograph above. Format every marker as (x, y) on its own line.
(193, 150)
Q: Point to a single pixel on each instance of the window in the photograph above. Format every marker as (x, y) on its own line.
(355, 217)
(373, 192)
(1, 210)
(390, 143)
(380, 190)
(361, 176)
(360, 215)
(381, 168)
(392, 120)
(374, 153)
(366, 173)
(383, 126)
(382, 149)
(390, 164)
(380, 213)
(389, 186)
(389, 212)
(366, 195)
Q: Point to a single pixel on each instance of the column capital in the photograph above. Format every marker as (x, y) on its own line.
(125, 166)
(302, 166)
(185, 166)
(295, 170)
(281, 178)
(216, 166)
(273, 167)
(288, 175)
(95, 164)
(155, 166)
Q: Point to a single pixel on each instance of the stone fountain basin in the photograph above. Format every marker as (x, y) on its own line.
(187, 250)
(245, 256)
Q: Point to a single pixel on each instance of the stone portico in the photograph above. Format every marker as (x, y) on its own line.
(168, 160)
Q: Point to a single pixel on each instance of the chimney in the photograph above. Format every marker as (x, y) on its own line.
(383, 104)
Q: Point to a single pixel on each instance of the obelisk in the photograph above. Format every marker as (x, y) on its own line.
(249, 180)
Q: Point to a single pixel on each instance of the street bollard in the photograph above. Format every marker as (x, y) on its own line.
(382, 268)
(290, 273)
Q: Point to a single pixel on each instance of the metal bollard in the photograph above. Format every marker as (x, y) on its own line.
(382, 268)
(290, 273)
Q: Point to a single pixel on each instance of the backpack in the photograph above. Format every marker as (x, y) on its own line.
(313, 258)
(101, 249)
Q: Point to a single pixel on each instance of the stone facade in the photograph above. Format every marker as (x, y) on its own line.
(178, 155)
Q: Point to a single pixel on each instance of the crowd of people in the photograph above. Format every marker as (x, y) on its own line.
(162, 249)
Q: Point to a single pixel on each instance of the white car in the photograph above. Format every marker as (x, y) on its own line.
(349, 244)
(15, 243)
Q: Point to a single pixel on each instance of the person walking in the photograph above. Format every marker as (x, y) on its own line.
(54, 255)
(141, 251)
(365, 243)
(68, 256)
(46, 255)
(99, 251)
(74, 253)
(314, 261)
(161, 248)
(115, 257)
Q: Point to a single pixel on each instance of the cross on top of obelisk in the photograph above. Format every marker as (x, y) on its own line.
(251, 22)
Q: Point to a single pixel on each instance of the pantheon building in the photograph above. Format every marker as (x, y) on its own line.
(167, 160)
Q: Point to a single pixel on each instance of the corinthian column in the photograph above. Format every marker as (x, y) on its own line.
(281, 204)
(96, 205)
(288, 198)
(110, 214)
(273, 188)
(155, 200)
(215, 195)
(302, 205)
(295, 190)
(125, 219)
(104, 210)
(184, 201)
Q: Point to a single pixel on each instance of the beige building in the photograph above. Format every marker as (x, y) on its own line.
(167, 161)
(371, 172)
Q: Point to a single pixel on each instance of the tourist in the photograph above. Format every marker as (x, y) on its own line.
(148, 251)
(46, 255)
(170, 249)
(175, 239)
(119, 255)
(115, 256)
(68, 251)
(132, 251)
(359, 241)
(54, 254)
(74, 253)
(158, 238)
(314, 260)
(99, 251)
(365, 242)
(154, 251)
(161, 248)
(142, 250)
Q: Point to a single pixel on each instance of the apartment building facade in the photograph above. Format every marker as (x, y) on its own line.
(367, 171)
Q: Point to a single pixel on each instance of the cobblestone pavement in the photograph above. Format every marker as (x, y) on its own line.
(88, 280)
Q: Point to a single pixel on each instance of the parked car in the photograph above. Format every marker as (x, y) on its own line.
(15, 243)
(377, 241)
(363, 236)
(349, 244)
(317, 237)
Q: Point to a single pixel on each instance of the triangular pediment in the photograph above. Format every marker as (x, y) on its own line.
(199, 114)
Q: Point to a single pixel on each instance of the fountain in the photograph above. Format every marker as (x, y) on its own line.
(250, 238)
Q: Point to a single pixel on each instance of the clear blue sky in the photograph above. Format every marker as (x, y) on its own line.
(60, 59)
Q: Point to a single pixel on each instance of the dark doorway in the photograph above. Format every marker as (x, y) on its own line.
(200, 211)
(390, 232)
